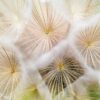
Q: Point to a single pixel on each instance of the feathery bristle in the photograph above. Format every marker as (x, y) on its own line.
(46, 29)
(61, 73)
(12, 16)
(10, 72)
(88, 42)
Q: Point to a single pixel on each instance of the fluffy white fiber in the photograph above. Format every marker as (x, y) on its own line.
(16, 17)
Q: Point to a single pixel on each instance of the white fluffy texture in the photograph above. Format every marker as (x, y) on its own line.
(13, 17)
(64, 45)
(87, 42)
(60, 49)
(43, 32)
(9, 82)
(77, 9)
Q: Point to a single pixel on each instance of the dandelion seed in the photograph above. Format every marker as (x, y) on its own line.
(46, 29)
(12, 16)
(61, 73)
(88, 44)
(10, 72)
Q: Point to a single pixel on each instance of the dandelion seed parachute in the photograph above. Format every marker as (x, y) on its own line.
(61, 73)
(87, 42)
(10, 72)
(13, 16)
(45, 30)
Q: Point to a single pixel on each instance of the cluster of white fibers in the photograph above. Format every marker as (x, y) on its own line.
(41, 48)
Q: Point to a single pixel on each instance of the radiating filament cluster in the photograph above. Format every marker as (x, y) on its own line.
(49, 49)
